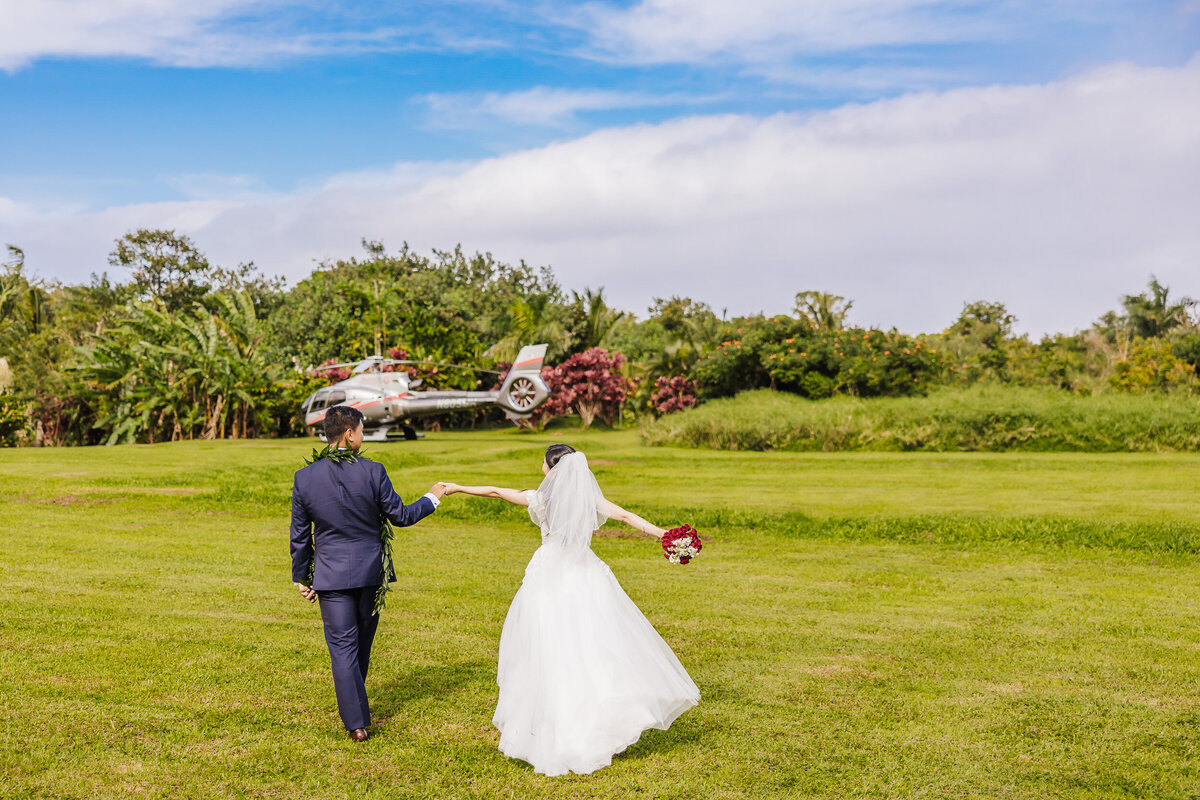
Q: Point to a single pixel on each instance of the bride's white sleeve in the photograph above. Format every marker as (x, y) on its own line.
(609, 510)
(537, 507)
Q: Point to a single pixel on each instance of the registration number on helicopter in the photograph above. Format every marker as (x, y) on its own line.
(453, 402)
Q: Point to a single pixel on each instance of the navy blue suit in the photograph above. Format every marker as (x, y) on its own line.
(336, 513)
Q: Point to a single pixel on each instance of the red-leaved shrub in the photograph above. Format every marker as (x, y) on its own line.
(672, 394)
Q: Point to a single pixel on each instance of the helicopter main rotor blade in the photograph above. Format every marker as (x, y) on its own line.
(367, 363)
(437, 364)
(336, 366)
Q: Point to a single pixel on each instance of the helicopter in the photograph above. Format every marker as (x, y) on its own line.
(387, 399)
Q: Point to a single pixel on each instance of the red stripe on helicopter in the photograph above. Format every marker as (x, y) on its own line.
(362, 405)
(524, 363)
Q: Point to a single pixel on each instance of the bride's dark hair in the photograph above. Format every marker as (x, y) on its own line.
(555, 452)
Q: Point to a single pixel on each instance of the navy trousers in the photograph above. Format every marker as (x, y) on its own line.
(349, 631)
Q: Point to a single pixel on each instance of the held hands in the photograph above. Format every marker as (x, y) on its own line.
(443, 488)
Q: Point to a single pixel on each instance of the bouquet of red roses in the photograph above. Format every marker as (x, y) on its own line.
(681, 544)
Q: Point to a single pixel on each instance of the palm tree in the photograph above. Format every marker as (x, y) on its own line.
(822, 309)
(110, 367)
(530, 320)
(239, 324)
(22, 308)
(177, 373)
(1152, 314)
(692, 330)
(594, 319)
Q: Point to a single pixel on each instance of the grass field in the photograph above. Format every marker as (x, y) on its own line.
(860, 625)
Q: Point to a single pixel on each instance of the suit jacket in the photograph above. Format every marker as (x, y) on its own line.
(338, 507)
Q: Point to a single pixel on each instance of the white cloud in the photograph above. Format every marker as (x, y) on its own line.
(873, 45)
(205, 186)
(1052, 198)
(687, 31)
(13, 214)
(540, 106)
(189, 33)
(155, 29)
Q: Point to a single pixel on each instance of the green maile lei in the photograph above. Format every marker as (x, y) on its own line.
(386, 535)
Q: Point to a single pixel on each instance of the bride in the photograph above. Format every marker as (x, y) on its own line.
(582, 673)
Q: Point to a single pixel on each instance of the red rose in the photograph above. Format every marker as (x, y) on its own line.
(683, 532)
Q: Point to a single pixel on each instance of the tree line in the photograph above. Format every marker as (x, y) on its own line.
(170, 346)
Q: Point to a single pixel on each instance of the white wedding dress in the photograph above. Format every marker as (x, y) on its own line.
(582, 673)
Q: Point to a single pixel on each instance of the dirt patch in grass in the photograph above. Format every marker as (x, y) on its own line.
(617, 533)
(74, 500)
(91, 498)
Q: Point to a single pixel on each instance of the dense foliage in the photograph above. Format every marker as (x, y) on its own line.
(794, 355)
(174, 347)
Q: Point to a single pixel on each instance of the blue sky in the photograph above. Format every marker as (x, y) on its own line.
(123, 113)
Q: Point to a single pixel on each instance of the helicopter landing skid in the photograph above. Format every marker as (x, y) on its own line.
(392, 433)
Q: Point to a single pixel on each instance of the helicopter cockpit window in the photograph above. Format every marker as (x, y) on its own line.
(337, 398)
(318, 402)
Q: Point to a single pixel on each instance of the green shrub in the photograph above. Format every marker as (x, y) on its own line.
(791, 354)
(981, 419)
(13, 420)
(1152, 366)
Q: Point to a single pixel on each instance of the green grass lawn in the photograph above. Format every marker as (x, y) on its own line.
(860, 625)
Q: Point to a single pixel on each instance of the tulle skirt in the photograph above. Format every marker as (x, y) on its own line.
(582, 673)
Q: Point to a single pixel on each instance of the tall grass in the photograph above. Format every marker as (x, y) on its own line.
(984, 419)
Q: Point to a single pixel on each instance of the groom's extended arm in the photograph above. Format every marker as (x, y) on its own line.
(302, 545)
(396, 511)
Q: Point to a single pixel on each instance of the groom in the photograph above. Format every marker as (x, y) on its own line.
(337, 506)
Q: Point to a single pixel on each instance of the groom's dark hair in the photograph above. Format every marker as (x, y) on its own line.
(555, 452)
(340, 419)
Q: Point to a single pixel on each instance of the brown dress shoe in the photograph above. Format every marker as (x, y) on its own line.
(359, 734)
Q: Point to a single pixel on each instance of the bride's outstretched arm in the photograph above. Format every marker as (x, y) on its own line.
(515, 496)
(614, 511)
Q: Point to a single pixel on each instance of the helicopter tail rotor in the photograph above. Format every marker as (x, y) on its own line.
(524, 390)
